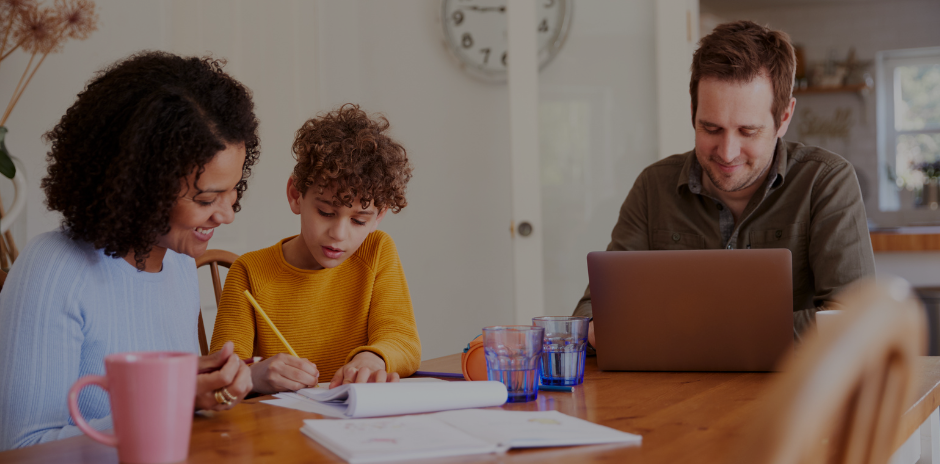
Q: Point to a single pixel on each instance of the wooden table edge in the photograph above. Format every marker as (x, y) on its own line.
(923, 406)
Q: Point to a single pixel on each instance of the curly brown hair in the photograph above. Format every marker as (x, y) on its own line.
(140, 126)
(739, 52)
(347, 150)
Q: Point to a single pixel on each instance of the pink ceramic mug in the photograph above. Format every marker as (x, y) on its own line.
(152, 398)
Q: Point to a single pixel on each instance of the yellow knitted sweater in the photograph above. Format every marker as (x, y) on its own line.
(329, 315)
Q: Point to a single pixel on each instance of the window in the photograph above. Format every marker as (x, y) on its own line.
(909, 135)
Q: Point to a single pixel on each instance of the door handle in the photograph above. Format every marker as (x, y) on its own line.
(525, 229)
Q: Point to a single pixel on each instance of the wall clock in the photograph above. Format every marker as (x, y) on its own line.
(475, 34)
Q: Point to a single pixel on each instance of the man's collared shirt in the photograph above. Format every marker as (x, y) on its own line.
(810, 203)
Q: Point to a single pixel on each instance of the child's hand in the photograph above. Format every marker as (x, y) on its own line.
(283, 372)
(365, 367)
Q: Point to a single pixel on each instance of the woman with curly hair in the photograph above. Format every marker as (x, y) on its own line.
(336, 291)
(153, 155)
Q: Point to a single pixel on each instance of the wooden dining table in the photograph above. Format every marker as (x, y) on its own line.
(682, 416)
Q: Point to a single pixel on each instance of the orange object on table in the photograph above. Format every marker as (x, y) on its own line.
(473, 360)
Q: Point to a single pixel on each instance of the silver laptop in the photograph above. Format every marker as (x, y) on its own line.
(695, 310)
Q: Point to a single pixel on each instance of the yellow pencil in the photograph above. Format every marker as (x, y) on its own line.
(254, 303)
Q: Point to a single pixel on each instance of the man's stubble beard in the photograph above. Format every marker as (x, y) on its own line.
(743, 185)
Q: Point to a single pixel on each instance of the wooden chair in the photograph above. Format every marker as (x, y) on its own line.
(214, 258)
(841, 395)
(3, 278)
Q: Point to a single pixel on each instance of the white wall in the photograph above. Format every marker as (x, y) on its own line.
(300, 58)
(453, 236)
(598, 130)
(920, 269)
(677, 35)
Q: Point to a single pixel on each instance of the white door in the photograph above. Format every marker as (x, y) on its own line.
(601, 108)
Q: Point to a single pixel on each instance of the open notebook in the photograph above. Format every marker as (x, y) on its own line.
(388, 399)
(456, 433)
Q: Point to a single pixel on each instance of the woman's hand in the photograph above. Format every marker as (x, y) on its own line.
(283, 372)
(365, 367)
(591, 333)
(228, 372)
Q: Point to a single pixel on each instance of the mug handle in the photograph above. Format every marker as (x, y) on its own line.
(83, 382)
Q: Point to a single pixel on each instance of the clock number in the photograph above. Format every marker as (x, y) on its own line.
(458, 17)
(466, 40)
(486, 54)
(543, 26)
(550, 4)
(503, 59)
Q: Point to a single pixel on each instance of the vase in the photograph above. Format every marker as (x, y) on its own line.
(931, 194)
(19, 197)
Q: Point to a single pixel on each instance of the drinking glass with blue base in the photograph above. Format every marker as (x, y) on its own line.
(564, 349)
(513, 357)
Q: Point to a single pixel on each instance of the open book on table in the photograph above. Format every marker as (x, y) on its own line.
(387, 399)
(456, 433)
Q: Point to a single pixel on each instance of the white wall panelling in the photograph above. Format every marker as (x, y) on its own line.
(524, 151)
(597, 131)
(677, 34)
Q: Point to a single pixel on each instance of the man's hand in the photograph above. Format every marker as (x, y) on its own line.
(591, 333)
(365, 367)
(283, 372)
(228, 372)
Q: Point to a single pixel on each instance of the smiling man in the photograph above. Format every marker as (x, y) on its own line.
(743, 186)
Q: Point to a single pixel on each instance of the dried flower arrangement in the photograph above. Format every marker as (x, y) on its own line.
(39, 31)
(930, 170)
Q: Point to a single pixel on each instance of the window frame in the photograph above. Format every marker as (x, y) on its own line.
(888, 212)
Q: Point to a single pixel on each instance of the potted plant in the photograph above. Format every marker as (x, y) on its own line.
(930, 193)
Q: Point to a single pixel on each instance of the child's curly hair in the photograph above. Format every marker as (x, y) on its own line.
(347, 150)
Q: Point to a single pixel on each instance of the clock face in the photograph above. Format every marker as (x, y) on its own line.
(475, 32)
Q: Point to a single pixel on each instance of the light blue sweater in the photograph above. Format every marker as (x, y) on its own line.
(63, 308)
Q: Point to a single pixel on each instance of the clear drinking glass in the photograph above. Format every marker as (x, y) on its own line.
(513, 354)
(563, 349)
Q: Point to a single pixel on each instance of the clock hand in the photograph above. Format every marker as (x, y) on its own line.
(484, 9)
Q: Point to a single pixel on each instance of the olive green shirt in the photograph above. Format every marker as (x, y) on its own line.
(810, 203)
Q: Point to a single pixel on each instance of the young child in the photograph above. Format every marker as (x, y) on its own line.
(337, 291)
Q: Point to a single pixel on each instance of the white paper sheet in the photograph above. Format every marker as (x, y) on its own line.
(292, 400)
(454, 433)
(393, 439)
(388, 399)
(531, 429)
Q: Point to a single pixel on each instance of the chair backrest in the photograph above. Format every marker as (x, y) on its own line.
(214, 258)
(841, 395)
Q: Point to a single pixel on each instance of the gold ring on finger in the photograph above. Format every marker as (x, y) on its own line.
(228, 396)
(220, 398)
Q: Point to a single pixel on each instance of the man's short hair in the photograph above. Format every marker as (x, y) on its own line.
(351, 152)
(741, 51)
